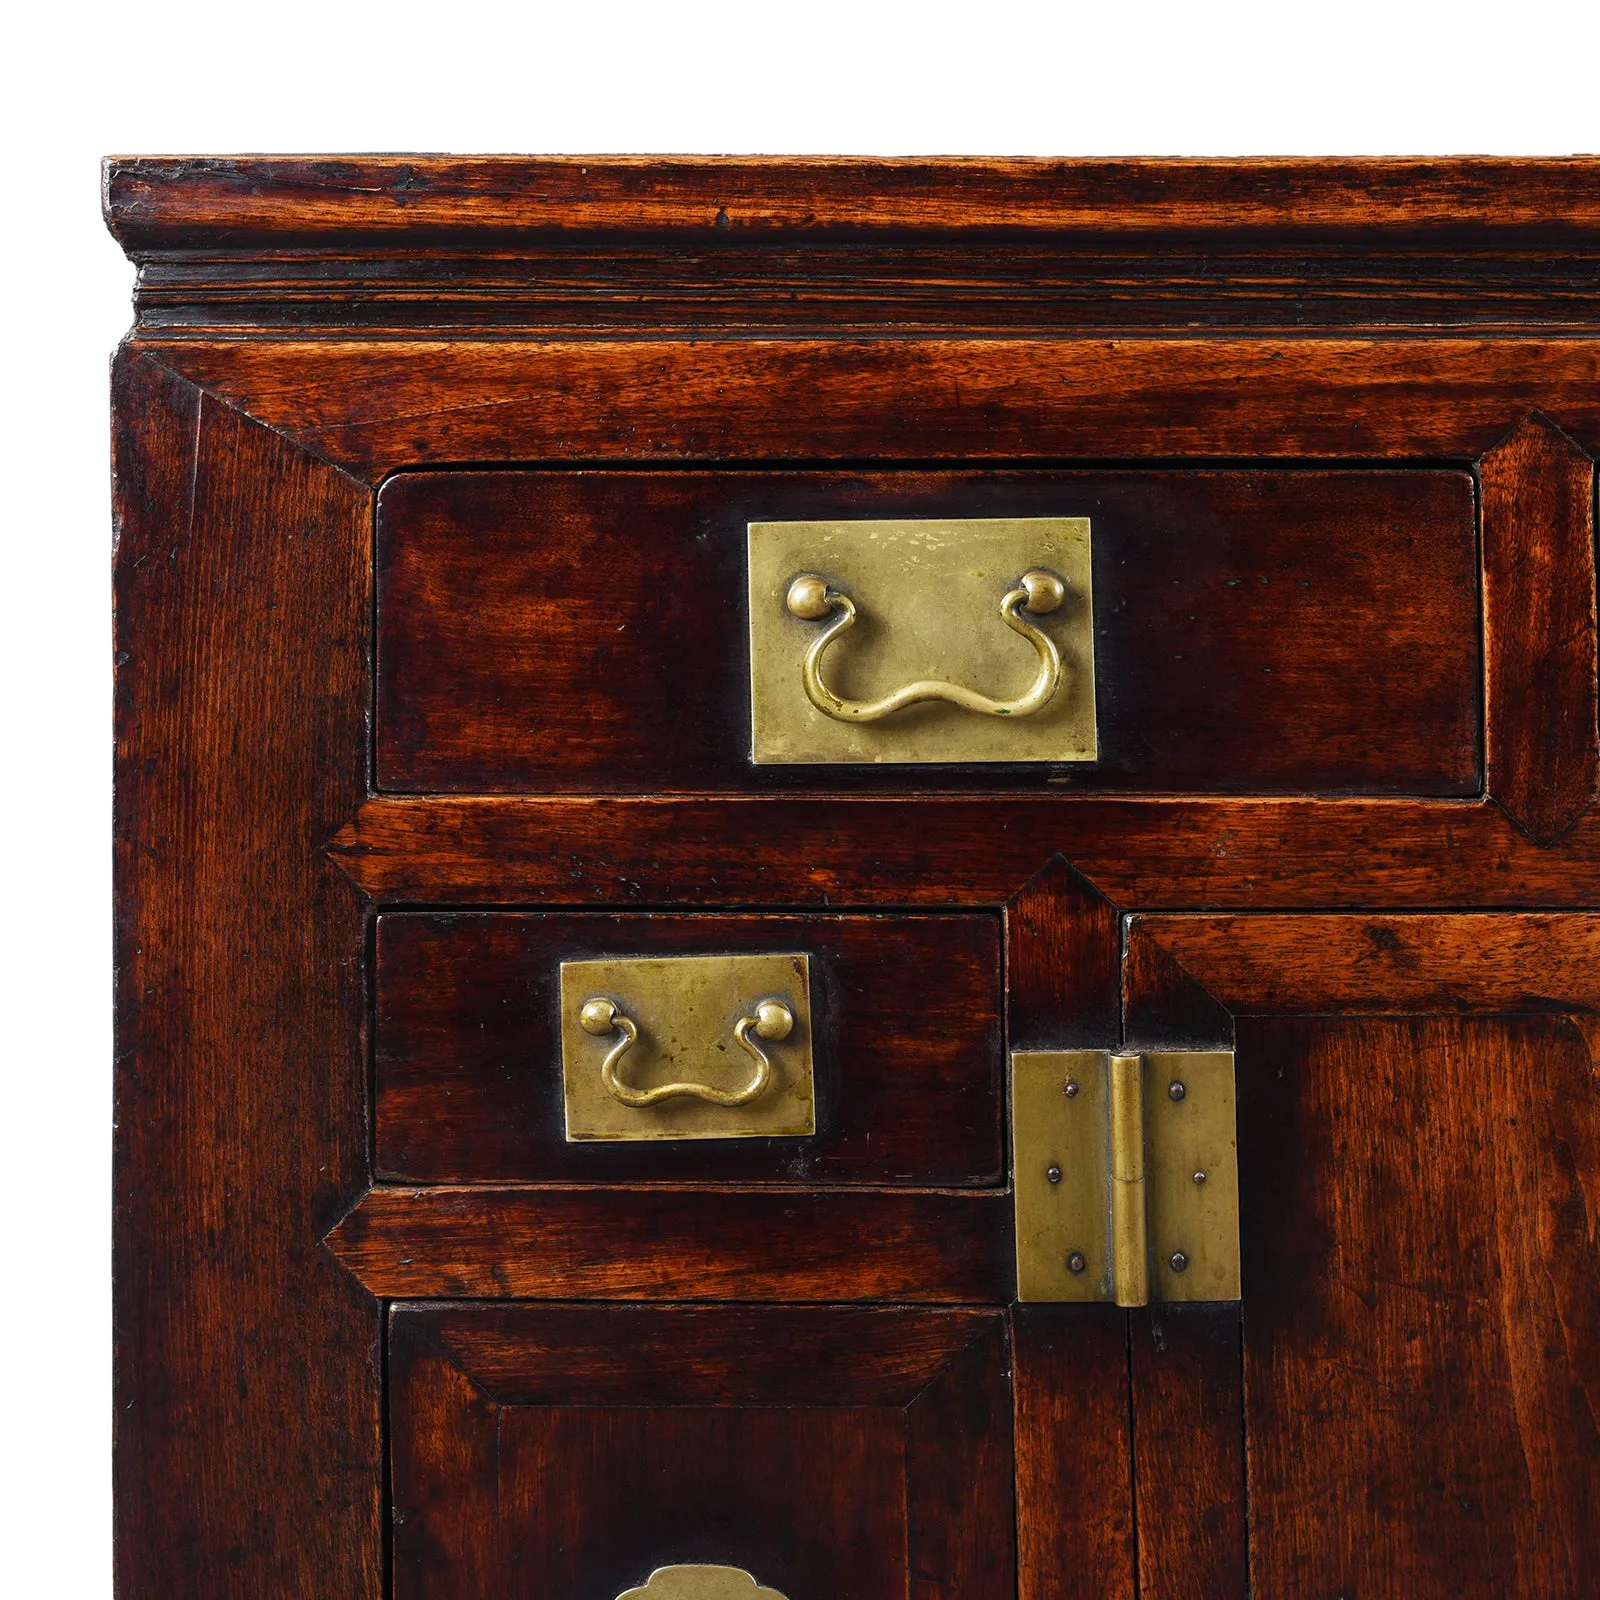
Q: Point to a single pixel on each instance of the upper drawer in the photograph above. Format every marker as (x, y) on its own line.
(1254, 631)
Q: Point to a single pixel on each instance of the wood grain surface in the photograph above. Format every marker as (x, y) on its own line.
(1419, 1203)
(905, 1036)
(1377, 876)
(935, 850)
(1254, 631)
(245, 1356)
(379, 405)
(680, 1242)
(1539, 627)
(1465, 962)
(565, 1458)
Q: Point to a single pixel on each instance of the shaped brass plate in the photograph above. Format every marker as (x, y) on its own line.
(955, 640)
(700, 1583)
(687, 1047)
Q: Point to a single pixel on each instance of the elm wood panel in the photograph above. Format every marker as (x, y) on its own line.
(1539, 627)
(1420, 1205)
(1482, 962)
(1075, 1531)
(906, 1045)
(961, 1477)
(378, 406)
(824, 286)
(1063, 963)
(1188, 1451)
(699, 1355)
(637, 1242)
(863, 1492)
(555, 631)
(1164, 1007)
(247, 1443)
(155, 203)
(556, 1501)
(948, 851)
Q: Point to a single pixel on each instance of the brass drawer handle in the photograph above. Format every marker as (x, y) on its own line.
(1037, 593)
(770, 1020)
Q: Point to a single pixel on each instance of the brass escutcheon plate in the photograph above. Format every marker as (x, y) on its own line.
(694, 1025)
(927, 596)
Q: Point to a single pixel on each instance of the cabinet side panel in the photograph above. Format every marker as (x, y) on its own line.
(247, 1365)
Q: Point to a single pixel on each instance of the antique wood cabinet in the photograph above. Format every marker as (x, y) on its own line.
(1084, 1087)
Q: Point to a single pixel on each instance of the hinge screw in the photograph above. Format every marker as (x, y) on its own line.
(1175, 1090)
(1053, 1174)
(1179, 1262)
(1075, 1262)
(1070, 1089)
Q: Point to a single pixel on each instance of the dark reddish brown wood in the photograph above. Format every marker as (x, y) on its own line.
(906, 1045)
(378, 406)
(835, 247)
(1420, 1334)
(575, 1463)
(960, 1467)
(1075, 1535)
(1539, 627)
(556, 1355)
(1504, 962)
(625, 1242)
(187, 202)
(1422, 1337)
(1063, 963)
(947, 851)
(587, 631)
(1188, 1447)
(245, 1357)
(1163, 1005)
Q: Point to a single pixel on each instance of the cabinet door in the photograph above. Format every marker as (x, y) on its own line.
(562, 1451)
(1413, 1375)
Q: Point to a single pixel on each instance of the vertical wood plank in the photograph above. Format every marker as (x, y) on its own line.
(1186, 1361)
(1543, 747)
(247, 1452)
(1063, 963)
(1188, 1439)
(1422, 1351)
(960, 1506)
(1075, 1537)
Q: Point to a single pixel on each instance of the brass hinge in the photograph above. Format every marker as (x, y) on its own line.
(1126, 1178)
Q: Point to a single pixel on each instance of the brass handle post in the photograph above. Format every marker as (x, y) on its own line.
(770, 1020)
(1037, 593)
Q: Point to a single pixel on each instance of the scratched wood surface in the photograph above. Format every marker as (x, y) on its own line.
(570, 1451)
(581, 632)
(1405, 1401)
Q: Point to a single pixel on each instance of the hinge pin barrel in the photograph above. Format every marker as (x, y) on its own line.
(1130, 1274)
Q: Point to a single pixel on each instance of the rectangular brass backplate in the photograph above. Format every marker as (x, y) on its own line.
(686, 1015)
(1126, 1176)
(928, 598)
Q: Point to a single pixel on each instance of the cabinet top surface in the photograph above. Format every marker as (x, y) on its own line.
(177, 202)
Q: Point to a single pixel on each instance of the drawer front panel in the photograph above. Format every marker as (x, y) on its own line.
(904, 1032)
(1254, 631)
(852, 1454)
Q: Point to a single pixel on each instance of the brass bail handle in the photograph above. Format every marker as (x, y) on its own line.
(768, 1019)
(1037, 593)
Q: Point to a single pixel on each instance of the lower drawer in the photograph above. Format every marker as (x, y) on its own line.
(575, 1451)
(905, 1038)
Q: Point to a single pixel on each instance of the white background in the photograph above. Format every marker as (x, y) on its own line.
(1517, 77)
